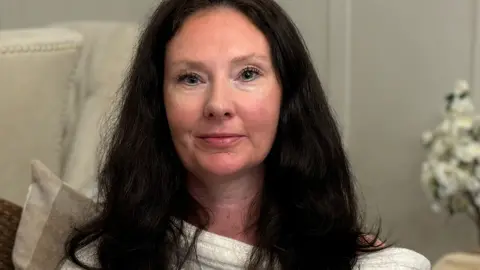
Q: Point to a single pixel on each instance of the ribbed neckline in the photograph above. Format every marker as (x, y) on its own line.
(219, 252)
(215, 250)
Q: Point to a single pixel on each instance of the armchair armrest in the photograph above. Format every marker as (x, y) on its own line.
(9, 219)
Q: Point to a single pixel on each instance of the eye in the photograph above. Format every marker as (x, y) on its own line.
(249, 74)
(190, 79)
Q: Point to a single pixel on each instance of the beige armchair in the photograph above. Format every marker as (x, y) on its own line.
(57, 85)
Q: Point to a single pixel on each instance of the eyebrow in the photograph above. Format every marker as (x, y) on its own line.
(251, 56)
(236, 60)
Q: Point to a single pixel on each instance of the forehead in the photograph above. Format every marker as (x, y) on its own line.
(217, 33)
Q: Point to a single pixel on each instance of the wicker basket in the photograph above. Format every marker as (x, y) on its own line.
(9, 218)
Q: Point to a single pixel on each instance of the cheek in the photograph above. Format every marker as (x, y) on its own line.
(261, 119)
(182, 113)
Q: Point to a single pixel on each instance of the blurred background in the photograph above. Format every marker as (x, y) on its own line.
(386, 66)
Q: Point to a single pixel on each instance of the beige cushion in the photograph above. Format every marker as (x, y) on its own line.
(35, 70)
(51, 210)
(108, 52)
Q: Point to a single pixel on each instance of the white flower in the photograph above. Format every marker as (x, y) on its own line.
(461, 86)
(461, 103)
(468, 152)
(427, 137)
(466, 181)
(463, 122)
(444, 127)
(444, 174)
(452, 165)
(439, 147)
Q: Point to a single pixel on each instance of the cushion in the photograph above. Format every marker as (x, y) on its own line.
(35, 70)
(109, 50)
(49, 214)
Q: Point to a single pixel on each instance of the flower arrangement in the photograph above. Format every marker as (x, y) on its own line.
(451, 171)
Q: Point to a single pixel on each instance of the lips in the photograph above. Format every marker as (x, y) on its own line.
(220, 140)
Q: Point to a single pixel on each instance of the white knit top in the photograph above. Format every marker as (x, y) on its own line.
(215, 252)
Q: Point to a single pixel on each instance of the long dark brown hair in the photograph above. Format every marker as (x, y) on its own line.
(309, 217)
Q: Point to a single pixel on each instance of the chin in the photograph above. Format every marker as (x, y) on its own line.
(222, 167)
(220, 170)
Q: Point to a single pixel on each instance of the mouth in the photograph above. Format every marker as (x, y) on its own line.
(218, 140)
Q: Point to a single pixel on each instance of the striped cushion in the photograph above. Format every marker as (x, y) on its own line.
(51, 210)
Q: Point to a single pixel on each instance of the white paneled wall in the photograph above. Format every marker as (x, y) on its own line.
(475, 55)
(389, 65)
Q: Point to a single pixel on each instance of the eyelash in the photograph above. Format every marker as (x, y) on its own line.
(251, 69)
(188, 75)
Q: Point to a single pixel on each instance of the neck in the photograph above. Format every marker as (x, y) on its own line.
(230, 201)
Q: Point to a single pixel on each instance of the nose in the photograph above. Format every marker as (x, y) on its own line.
(219, 103)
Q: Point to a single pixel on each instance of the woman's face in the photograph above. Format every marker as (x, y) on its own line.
(222, 96)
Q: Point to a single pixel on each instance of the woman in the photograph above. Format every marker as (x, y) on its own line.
(226, 155)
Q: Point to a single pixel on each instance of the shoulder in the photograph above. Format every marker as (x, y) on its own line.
(393, 258)
(86, 255)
